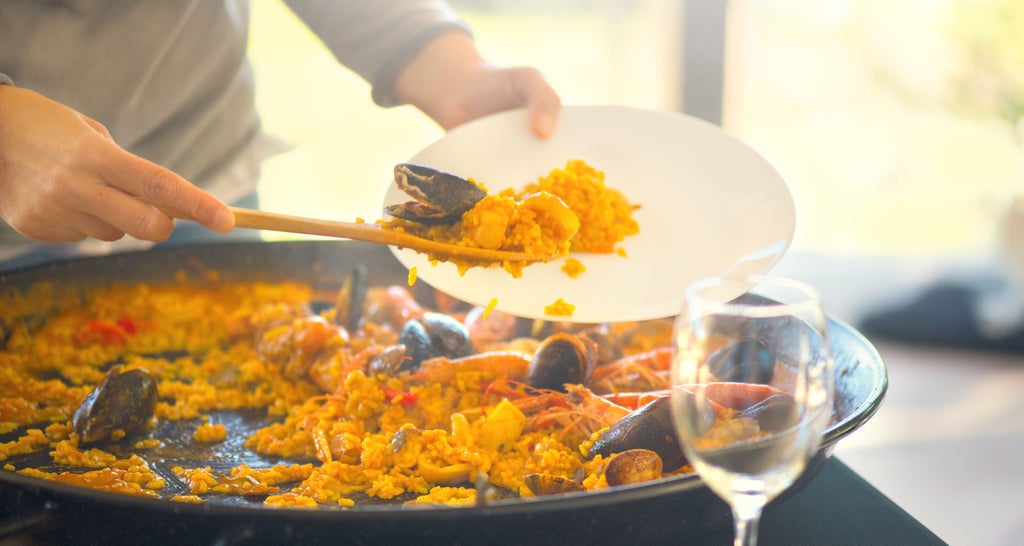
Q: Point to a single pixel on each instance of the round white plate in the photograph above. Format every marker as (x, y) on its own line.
(709, 204)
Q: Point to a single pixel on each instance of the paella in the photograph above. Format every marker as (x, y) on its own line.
(367, 395)
(570, 208)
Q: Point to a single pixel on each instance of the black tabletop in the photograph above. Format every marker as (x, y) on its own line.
(837, 508)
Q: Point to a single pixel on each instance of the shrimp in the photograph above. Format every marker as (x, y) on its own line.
(647, 371)
(510, 365)
(578, 411)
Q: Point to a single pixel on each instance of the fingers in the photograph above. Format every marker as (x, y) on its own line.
(157, 189)
(496, 89)
(63, 178)
(129, 215)
(74, 227)
(97, 126)
(91, 226)
(542, 102)
(73, 205)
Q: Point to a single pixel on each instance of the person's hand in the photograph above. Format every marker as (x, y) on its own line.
(450, 82)
(63, 178)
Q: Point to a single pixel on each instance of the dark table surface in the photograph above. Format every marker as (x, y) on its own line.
(837, 507)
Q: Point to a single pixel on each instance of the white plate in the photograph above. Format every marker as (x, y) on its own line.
(709, 204)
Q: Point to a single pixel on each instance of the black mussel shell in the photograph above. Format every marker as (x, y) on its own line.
(560, 359)
(773, 414)
(431, 336)
(649, 427)
(124, 400)
(746, 361)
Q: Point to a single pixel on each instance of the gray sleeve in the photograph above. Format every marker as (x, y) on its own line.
(376, 39)
(5, 80)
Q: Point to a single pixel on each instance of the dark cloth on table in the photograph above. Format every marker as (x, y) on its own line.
(944, 314)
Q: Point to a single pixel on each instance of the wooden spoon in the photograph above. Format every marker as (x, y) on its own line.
(374, 233)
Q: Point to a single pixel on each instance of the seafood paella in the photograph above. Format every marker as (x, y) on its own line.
(570, 208)
(386, 394)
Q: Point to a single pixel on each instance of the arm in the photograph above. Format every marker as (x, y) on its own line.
(419, 52)
(62, 179)
(450, 82)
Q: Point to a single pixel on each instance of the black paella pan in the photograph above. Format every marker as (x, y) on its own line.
(677, 507)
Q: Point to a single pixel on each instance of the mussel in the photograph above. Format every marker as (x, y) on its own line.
(351, 300)
(606, 341)
(430, 336)
(403, 436)
(773, 414)
(448, 336)
(389, 361)
(649, 427)
(733, 362)
(633, 466)
(123, 400)
(5, 334)
(549, 484)
(562, 358)
(440, 197)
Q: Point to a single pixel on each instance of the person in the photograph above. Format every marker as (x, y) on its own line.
(116, 117)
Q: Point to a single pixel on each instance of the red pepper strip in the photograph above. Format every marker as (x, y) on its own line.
(110, 333)
(402, 397)
(128, 325)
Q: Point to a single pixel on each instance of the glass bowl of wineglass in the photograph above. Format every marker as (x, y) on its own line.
(752, 387)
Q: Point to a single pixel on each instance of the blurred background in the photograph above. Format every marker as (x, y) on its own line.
(896, 123)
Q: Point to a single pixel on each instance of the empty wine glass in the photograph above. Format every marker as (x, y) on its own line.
(752, 387)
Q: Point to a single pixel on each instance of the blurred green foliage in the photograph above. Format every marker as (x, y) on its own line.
(991, 36)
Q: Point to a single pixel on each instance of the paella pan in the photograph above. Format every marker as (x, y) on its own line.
(676, 504)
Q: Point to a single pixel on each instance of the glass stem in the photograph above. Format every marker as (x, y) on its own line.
(746, 515)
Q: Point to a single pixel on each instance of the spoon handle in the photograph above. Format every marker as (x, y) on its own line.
(257, 219)
(374, 233)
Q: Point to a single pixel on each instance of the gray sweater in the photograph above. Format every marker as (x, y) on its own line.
(170, 79)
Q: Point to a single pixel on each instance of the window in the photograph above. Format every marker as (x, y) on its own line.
(893, 121)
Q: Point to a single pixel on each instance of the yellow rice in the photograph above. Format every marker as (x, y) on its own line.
(206, 433)
(560, 308)
(490, 307)
(339, 426)
(606, 216)
(573, 267)
(591, 218)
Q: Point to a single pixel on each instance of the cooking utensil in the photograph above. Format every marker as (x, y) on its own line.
(677, 507)
(374, 233)
(434, 181)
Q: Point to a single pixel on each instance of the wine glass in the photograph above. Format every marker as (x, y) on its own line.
(752, 387)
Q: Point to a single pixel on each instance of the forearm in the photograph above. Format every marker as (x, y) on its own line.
(437, 73)
(419, 52)
(377, 39)
(450, 82)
